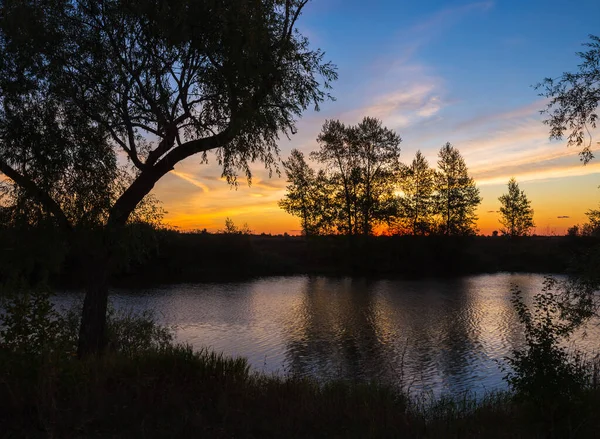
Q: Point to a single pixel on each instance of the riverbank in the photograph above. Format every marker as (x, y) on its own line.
(183, 257)
(179, 393)
(150, 257)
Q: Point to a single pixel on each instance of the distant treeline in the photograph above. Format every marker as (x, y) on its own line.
(168, 256)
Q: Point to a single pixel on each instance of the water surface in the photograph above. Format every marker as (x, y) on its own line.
(445, 336)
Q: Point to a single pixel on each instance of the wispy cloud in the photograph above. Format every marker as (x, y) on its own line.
(190, 179)
(404, 106)
(519, 113)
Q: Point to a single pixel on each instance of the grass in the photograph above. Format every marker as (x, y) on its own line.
(176, 392)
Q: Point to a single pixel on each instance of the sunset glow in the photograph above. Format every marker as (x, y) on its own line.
(434, 74)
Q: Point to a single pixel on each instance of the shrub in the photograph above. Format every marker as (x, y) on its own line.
(30, 324)
(544, 371)
(132, 332)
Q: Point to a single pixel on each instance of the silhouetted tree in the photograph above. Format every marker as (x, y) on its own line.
(337, 154)
(516, 214)
(361, 161)
(378, 161)
(416, 203)
(158, 81)
(574, 99)
(232, 229)
(456, 196)
(308, 195)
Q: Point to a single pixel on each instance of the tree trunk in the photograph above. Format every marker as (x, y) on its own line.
(92, 332)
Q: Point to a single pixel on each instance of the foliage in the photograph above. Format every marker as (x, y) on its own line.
(590, 228)
(308, 195)
(416, 207)
(456, 196)
(544, 371)
(574, 99)
(356, 191)
(30, 324)
(360, 164)
(195, 76)
(516, 214)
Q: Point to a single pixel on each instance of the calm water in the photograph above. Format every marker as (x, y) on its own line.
(438, 335)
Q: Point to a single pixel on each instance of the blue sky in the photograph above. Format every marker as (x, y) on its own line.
(435, 72)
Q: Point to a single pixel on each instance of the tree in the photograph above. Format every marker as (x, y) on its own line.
(362, 161)
(416, 202)
(378, 160)
(574, 99)
(232, 229)
(308, 195)
(456, 196)
(516, 214)
(337, 154)
(157, 81)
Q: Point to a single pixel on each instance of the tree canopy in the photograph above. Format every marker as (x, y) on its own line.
(361, 161)
(363, 188)
(574, 99)
(87, 85)
(309, 196)
(157, 81)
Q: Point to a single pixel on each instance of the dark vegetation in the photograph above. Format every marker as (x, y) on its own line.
(166, 256)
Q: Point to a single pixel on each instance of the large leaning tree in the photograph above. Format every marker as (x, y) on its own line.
(88, 84)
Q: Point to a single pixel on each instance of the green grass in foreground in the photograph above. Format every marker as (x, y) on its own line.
(175, 392)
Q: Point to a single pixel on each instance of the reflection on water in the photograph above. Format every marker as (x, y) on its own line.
(439, 335)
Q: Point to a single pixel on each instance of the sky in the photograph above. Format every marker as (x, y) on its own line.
(435, 72)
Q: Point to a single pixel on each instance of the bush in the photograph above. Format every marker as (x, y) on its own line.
(30, 324)
(544, 371)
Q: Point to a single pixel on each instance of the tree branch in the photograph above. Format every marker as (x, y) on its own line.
(144, 183)
(35, 191)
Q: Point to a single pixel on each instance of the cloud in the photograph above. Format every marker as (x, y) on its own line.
(403, 91)
(519, 113)
(512, 142)
(563, 216)
(190, 179)
(404, 106)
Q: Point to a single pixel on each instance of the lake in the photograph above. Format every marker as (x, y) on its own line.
(439, 335)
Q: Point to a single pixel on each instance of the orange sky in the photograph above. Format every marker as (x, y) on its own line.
(195, 197)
